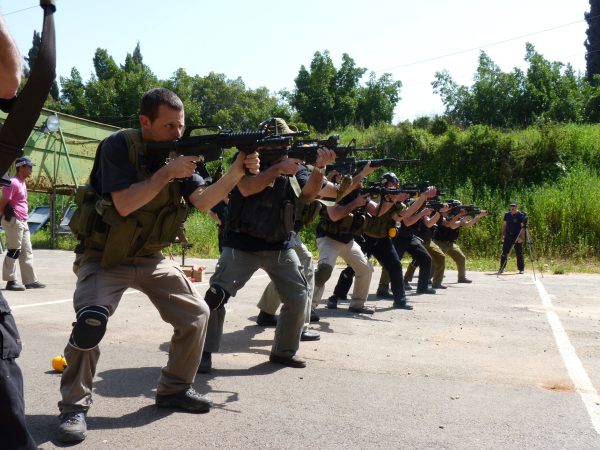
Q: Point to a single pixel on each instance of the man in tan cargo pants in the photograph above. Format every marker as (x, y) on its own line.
(141, 212)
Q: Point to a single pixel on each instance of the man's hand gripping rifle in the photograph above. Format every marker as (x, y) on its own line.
(209, 147)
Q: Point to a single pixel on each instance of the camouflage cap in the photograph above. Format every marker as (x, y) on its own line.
(275, 125)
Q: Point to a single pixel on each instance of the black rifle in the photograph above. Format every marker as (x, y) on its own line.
(348, 166)
(209, 147)
(306, 149)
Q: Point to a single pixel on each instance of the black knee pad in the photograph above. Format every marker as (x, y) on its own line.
(322, 274)
(14, 254)
(89, 327)
(216, 297)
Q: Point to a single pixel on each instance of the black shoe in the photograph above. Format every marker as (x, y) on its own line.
(288, 361)
(188, 400)
(72, 427)
(266, 320)
(402, 304)
(14, 286)
(425, 291)
(35, 285)
(314, 317)
(465, 280)
(407, 286)
(384, 294)
(439, 286)
(205, 363)
(310, 335)
(332, 302)
(361, 310)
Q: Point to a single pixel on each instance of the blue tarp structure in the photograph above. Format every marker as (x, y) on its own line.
(38, 218)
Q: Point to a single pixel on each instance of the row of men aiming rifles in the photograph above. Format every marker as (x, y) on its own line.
(141, 187)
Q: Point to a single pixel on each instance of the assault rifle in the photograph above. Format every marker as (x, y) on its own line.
(307, 150)
(348, 166)
(209, 147)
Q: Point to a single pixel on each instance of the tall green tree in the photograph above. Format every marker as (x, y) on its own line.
(30, 60)
(592, 43)
(328, 98)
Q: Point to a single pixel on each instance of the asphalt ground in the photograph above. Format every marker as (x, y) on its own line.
(503, 363)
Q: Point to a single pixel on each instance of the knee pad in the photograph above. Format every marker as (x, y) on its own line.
(14, 254)
(216, 297)
(322, 274)
(89, 328)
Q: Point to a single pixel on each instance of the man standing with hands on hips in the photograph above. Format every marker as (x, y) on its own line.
(13, 208)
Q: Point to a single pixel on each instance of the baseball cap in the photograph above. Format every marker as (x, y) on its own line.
(513, 203)
(23, 161)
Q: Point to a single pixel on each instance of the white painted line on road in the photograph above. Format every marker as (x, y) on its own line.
(69, 300)
(578, 375)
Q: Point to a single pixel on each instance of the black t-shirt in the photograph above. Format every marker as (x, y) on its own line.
(513, 223)
(248, 243)
(116, 172)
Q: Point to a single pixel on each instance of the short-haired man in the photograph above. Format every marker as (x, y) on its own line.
(121, 249)
(513, 234)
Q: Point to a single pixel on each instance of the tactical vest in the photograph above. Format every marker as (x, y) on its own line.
(154, 226)
(379, 227)
(353, 224)
(443, 233)
(267, 215)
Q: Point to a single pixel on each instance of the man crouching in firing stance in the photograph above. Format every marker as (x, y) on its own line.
(141, 213)
(258, 236)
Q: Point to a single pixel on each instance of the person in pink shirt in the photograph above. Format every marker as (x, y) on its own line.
(13, 209)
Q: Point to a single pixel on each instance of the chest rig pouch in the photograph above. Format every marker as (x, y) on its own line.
(148, 230)
(268, 215)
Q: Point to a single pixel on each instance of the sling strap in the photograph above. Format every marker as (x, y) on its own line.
(26, 108)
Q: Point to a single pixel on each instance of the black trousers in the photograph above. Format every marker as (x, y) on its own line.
(414, 246)
(384, 252)
(13, 428)
(506, 245)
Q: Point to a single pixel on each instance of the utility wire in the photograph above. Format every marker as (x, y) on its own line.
(19, 10)
(459, 52)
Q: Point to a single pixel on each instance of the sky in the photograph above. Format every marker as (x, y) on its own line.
(265, 43)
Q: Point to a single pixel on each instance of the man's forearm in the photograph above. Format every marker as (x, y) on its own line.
(205, 198)
(313, 186)
(139, 194)
(250, 185)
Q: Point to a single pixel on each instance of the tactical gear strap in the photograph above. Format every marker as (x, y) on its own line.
(26, 108)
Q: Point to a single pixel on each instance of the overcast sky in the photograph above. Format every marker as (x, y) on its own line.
(266, 42)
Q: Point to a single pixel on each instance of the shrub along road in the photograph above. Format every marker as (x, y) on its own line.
(505, 362)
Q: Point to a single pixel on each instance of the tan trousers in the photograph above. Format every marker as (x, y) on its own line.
(454, 252)
(171, 293)
(18, 238)
(352, 254)
(438, 263)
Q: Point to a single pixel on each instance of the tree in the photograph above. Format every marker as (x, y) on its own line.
(328, 98)
(547, 91)
(30, 60)
(592, 43)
